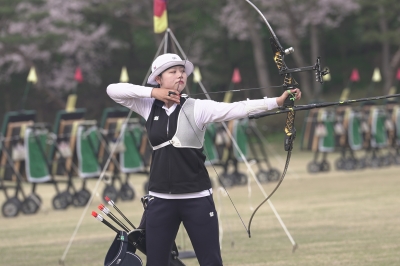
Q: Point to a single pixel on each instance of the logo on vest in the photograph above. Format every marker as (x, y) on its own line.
(156, 118)
(211, 214)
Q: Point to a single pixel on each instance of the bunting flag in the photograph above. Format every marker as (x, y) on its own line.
(160, 16)
(71, 102)
(376, 77)
(236, 78)
(78, 75)
(124, 78)
(354, 77)
(32, 77)
(196, 75)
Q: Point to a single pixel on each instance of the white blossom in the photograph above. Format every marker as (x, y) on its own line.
(76, 43)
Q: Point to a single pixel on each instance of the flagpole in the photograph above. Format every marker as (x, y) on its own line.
(157, 54)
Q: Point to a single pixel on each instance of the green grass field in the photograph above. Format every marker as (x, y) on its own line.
(336, 218)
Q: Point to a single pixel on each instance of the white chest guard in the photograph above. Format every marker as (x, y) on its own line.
(187, 134)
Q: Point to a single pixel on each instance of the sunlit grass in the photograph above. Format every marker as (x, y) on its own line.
(336, 218)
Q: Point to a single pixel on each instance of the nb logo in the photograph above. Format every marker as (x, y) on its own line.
(156, 118)
(211, 214)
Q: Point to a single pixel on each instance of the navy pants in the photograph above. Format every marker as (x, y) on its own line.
(163, 217)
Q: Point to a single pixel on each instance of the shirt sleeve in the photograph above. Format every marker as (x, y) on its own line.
(135, 97)
(208, 111)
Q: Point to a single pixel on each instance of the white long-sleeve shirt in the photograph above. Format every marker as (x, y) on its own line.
(138, 99)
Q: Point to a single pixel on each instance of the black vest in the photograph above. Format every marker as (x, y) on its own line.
(173, 170)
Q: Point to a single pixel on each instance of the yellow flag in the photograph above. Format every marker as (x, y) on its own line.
(196, 75)
(124, 78)
(32, 77)
(376, 77)
(228, 97)
(22, 131)
(345, 94)
(392, 90)
(71, 102)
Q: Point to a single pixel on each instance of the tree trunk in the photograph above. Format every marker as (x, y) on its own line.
(258, 51)
(387, 70)
(260, 62)
(7, 101)
(298, 57)
(395, 60)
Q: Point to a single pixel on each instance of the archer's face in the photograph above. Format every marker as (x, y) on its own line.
(173, 78)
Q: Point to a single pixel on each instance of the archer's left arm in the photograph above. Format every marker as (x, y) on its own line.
(208, 111)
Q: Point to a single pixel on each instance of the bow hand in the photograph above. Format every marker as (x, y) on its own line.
(288, 97)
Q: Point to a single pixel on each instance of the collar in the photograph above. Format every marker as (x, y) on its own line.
(170, 110)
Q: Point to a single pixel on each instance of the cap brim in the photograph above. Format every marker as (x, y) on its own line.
(187, 64)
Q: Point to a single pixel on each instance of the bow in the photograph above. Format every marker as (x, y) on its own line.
(288, 105)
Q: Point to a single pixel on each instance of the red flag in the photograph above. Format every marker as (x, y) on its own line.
(354, 77)
(236, 78)
(160, 16)
(398, 74)
(78, 75)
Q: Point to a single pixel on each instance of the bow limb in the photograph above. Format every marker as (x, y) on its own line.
(269, 196)
(266, 22)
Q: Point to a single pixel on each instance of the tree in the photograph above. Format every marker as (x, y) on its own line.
(237, 17)
(295, 21)
(381, 24)
(54, 36)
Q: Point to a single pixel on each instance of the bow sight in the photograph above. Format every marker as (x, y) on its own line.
(316, 67)
(279, 54)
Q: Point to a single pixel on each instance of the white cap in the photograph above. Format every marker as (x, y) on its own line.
(166, 61)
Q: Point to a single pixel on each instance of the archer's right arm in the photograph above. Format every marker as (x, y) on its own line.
(135, 97)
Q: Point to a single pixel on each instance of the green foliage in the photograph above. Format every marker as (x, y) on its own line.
(373, 11)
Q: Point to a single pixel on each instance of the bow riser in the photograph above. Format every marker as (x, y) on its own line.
(290, 131)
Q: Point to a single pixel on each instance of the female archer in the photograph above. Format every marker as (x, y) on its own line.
(180, 187)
